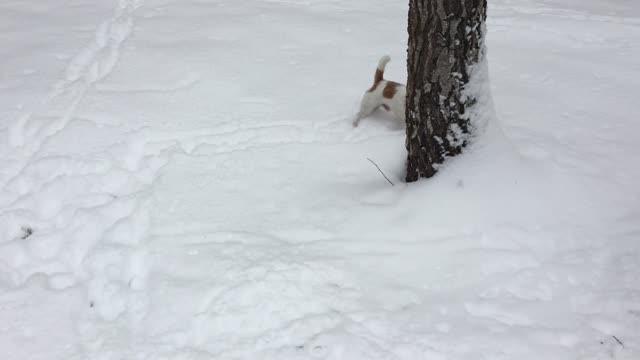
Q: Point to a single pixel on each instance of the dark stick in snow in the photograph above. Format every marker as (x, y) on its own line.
(618, 340)
(385, 176)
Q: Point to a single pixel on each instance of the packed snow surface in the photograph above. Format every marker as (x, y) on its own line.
(181, 180)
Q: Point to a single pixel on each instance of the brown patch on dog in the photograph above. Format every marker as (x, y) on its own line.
(390, 90)
(386, 107)
(378, 76)
(376, 79)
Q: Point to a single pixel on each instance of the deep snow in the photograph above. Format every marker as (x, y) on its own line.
(180, 180)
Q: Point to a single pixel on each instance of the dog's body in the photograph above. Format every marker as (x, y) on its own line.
(388, 94)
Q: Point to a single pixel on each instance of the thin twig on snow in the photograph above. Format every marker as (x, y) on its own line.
(385, 176)
(618, 340)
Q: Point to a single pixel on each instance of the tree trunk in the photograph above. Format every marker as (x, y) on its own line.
(445, 39)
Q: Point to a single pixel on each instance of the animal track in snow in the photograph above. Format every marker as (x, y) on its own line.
(490, 311)
(90, 215)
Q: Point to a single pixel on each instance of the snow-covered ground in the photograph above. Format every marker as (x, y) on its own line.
(180, 180)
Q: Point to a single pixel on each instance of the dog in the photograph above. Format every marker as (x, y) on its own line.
(388, 94)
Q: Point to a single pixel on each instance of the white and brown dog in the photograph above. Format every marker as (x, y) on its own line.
(388, 94)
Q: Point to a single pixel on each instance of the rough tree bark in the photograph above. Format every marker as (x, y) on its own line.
(445, 39)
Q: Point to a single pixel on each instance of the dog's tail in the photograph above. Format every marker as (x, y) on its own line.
(382, 63)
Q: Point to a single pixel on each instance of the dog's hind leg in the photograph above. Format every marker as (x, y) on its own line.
(367, 106)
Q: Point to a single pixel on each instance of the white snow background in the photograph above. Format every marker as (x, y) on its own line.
(181, 180)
